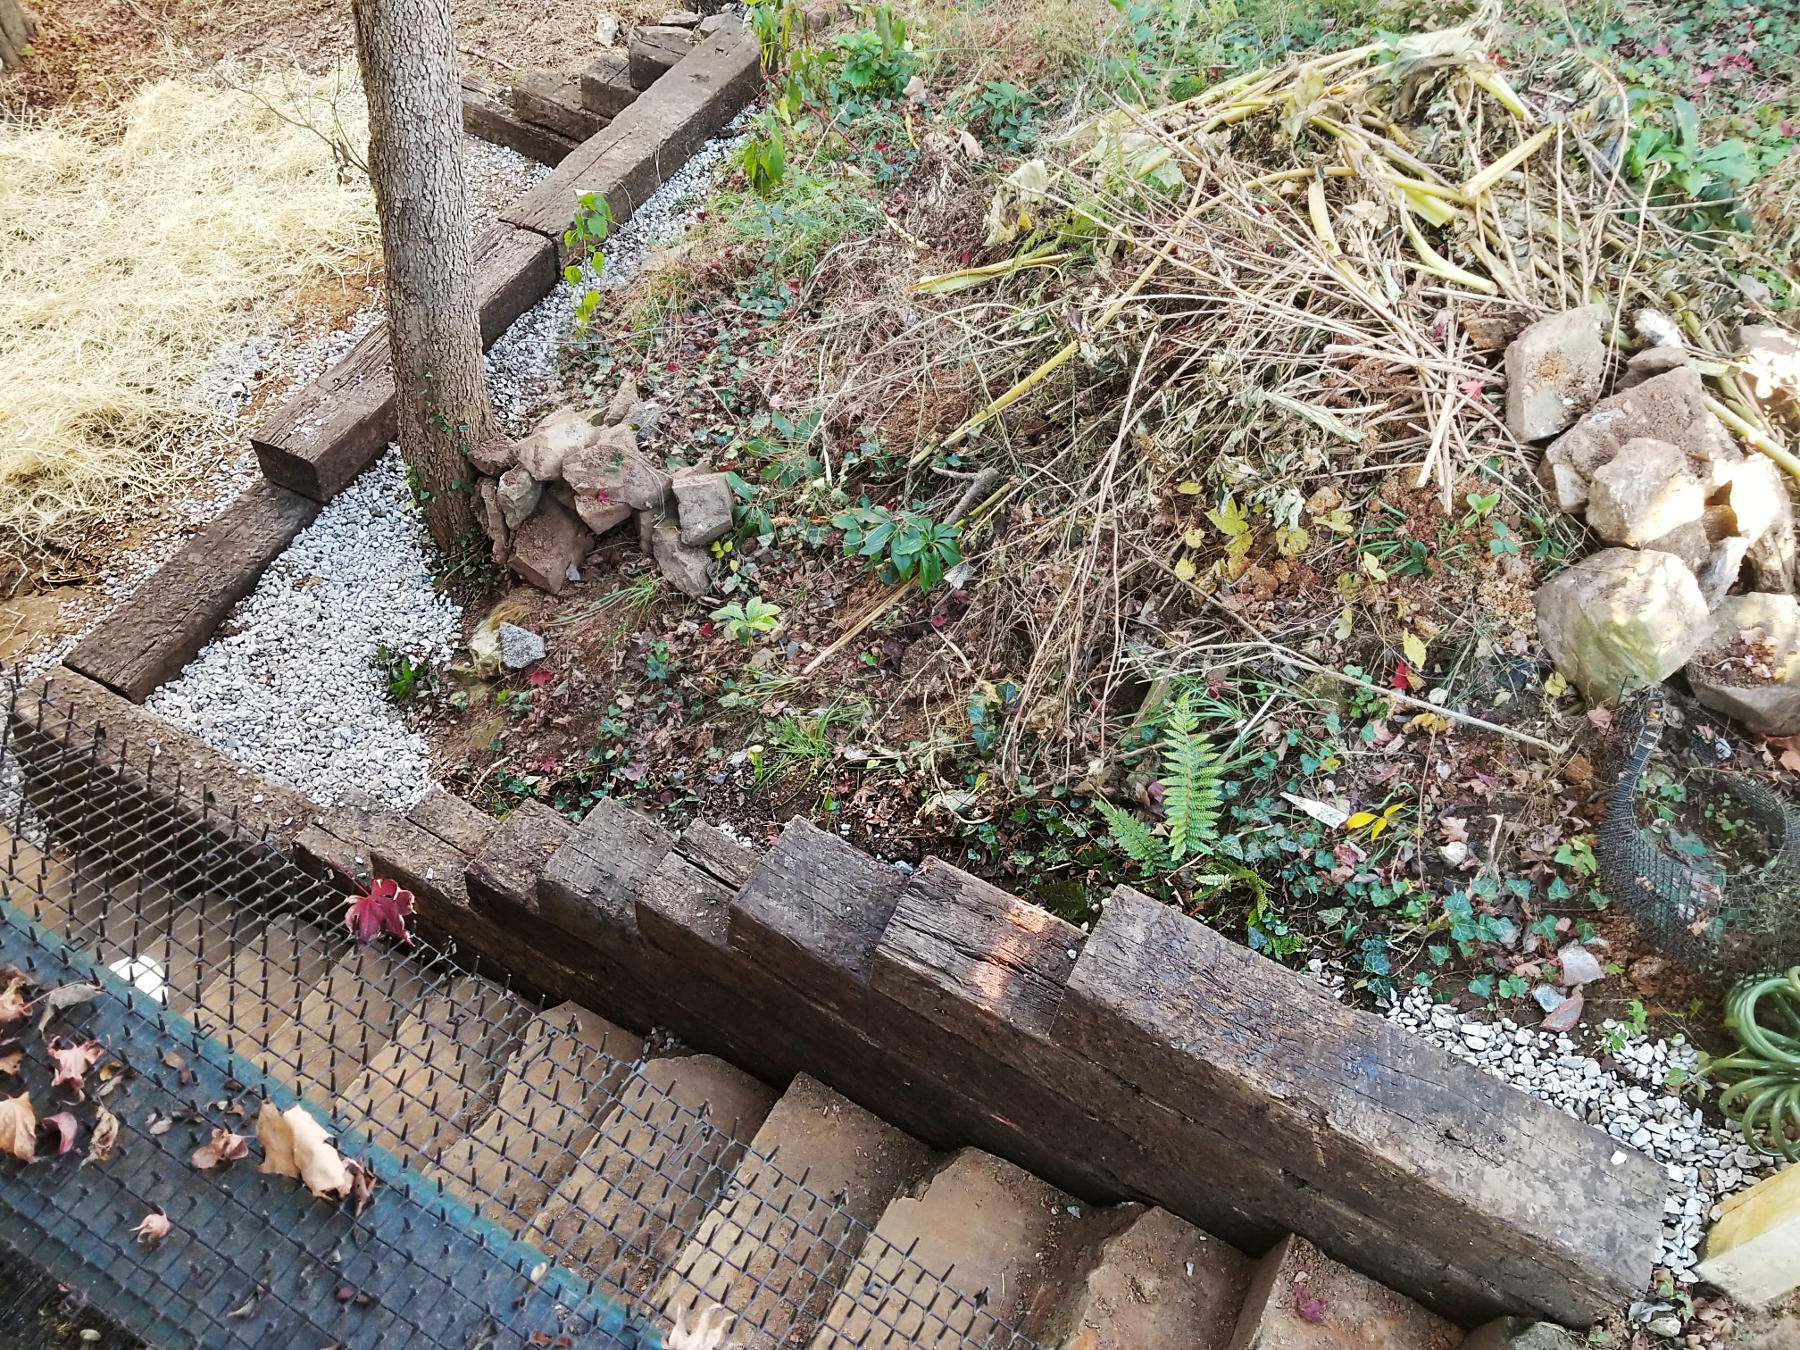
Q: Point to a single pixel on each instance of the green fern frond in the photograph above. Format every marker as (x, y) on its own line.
(1191, 782)
(1134, 838)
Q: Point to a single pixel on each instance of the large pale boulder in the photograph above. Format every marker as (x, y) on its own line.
(1762, 511)
(1553, 372)
(704, 502)
(1621, 617)
(612, 469)
(1643, 492)
(1749, 665)
(543, 451)
(1669, 407)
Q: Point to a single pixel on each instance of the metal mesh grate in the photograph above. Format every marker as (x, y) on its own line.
(536, 1184)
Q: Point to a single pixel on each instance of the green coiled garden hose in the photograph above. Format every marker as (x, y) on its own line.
(1763, 1013)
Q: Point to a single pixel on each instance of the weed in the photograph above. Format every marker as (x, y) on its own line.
(910, 545)
(745, 620)
(593, 222)
(404, 676)
(1191, 797)
(765, 156)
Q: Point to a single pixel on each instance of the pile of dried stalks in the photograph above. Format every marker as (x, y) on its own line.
(1306, 274)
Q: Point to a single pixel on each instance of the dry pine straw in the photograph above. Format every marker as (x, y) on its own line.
(128, 263)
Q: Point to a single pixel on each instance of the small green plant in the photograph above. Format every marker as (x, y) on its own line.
(593, 222)
(1006, 113)
(402, 675)
(1634, 1027)
(744, 620)
(765, 157)
(1673, 155)
(878, 61)
(1192, 791)
(912, 545)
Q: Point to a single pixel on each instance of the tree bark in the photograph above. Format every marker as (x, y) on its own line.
(407, 52)
(17, 24)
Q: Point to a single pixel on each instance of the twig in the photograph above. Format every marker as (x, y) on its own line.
(982, 484)
(480, 55)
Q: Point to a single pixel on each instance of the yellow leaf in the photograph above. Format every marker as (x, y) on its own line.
(1237, 548)
(1185, 569)
(1371, 567)
(1230, 519)
(1189, 488)
(1345, 623)
(1194, 537)
(1556, 686)
(1375, 830)
(1338, 522)
(1291, 541)
(1414, 647)
(1432, 723)
(1360, 819)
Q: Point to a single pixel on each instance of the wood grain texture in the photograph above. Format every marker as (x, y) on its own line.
(336, 427)
(168, 619)
(606, 85)
(964, 952)
(453, 820)
(592, 881)
(1503, 1187)
(553, 101)
(650, 139)
(488, 111)
(502, 879)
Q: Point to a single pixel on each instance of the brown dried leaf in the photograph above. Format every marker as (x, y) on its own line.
(223, 1147)
(362, 1185)
(72, 1061)
(66, 996)
(13, 1003)
(64, 1121)
(152, 1228)
(18, 1127)
(296, 1145)
(1454, 829)
(104, 1137)
(11, 1061)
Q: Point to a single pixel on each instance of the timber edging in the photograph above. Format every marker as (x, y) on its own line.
(1150, 1059)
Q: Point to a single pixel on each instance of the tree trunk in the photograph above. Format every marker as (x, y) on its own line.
(17, 24)
(407, 51)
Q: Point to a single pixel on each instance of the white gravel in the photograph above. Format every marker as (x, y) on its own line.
(1703, 1164)
(293, 690)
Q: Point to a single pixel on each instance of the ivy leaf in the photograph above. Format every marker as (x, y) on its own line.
(384, 908)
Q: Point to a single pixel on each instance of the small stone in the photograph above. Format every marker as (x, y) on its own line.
(1548, 997)
(542, 452)
(1488, 332)
(687, 568)
(518, 494)
(704, 502)
(1567, 1014)
(547, 544)
(680, 18)
(1643, 492)
(519, 647)
(1619, 616)
(624, 403)
(600, 514)
(1668, 1326)
(1520, 1333)
(1648, 364)
(1579, 965)
(1553, 372)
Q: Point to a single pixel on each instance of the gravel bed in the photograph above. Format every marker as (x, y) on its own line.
(1628, 1099)
(291, 687)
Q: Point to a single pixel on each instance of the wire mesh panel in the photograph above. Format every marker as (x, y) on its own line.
(518, 1174)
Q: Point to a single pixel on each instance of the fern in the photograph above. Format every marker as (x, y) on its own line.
(1134, 838)
(1190, 784)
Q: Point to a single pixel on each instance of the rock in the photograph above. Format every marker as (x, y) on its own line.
(645, 419)
(492, 520)
(1579, 965)
(613, 465)
(1648, 364)
(1722, 568)
(1643, 492)
(484, 648)
(547, 544)
(1488, 332)
(624, 403)
(543, 451)
(1772, 360)
(1553, 372)
(1656, 328)
(1749, 665)
(519, 647)
(680, 18)
(646, 531)
(494, 457)
(518, 494)
(688, 569)
(1688, 541)
(606, 30)
(1619, 617)
(714, 24)
(705, 502)
(1756, 497)
(1567, 1015)
(1521, 1333)
(599, 514)
(1668, 1326)
(1668, 408)
(1646, 972)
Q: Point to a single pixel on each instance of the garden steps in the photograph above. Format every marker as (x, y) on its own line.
(652, 1172)
(559, 1086)
(1158, 1284)
(792, 1221)
(1300, 1299)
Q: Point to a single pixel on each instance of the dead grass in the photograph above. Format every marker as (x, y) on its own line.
(129, 264)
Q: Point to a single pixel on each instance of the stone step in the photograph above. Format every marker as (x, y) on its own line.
(1159, 1284)
(439, 1075)
(562, 1082)
(1300, 1299)
(659, 1160)
(777, 1246)
(1006, 1247)
(343, 1020)
(263, 983)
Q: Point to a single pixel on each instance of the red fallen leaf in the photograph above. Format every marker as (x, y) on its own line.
(1310, 1309)
(65, 1129)
(539, 678)
(72, 1061)
(152, 1228)
(1402, 677)
(385, 907)
(223, 1147)
(1471, 388)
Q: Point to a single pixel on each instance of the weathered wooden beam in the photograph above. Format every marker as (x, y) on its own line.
(553, 101)
(340, 423)
(172, 615)
(654, 51)
(594, 876)
(650, 139)
(488, 112)
(606, 85)
(1501, 1190)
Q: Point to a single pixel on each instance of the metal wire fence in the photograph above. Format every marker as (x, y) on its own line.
(517, 1173)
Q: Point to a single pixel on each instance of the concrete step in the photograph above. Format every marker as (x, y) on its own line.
(776, 1248)
(564, 1079)
(1300, 1299)
(263, 983)
(1158, 1284)
(441, 1072)
(351, 1011)
(653, 1171)
(1006, 1247)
